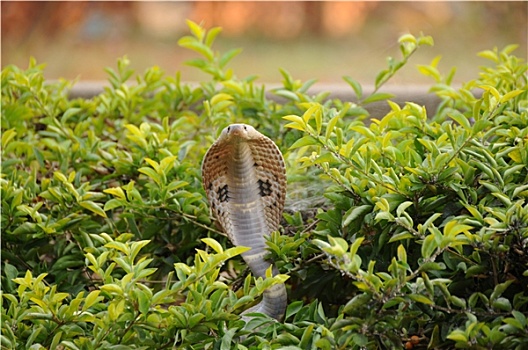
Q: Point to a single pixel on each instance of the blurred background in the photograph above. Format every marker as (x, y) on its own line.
(321, 40)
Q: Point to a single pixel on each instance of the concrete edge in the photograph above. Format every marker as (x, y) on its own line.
(419, 94)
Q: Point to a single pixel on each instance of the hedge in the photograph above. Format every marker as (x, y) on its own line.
(405, 231)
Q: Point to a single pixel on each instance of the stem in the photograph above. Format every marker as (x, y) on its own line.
(356, 278)
(309, 261)
(391, 73)
(129, 327)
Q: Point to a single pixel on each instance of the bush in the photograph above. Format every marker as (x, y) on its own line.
(406, 231)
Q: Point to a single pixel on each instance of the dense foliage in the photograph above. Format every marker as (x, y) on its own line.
(406, 231)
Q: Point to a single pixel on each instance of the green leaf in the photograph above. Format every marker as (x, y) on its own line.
(355, 85)
(510, 95)
(198, 63)
(7, 136)
(378, 96)
(338, 246)
(211, 35)
(429, 245)
(143, 301)
(306, 337)
(407, 38)
(354, 213)
(452, 228)
(402, 254)
(227, 339)
(70, 112)
(93, 207)
(514, 322)
(122, 247)
(307, 140)
(92, 298)
(458, 336)
(297, 122)
(5, 342)
(420, 299)
(400, 236)
(152, 174)
(59, 176)
(116, 192)
(357, 302)
(113, 203)
(500, 289)
(174, 185)
(304, 88)
(228, 56)
(430, 72)
(136, 246)
(460, 119)
(231, 252)
(290, 95)
(220, 98)
(112, 288)
(520, 317)
(195, 320)
(326, 157)
(354, 247)
(331, 125)
(382, 77)
(192, 44)
(217, 247)
(293, 309)
(502, 304)
(402, 207)
(196, 29)
(490, 55)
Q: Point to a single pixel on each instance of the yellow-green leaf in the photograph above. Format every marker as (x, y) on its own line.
(217, 247)
(420, 299)
(295, 119)
(402, 254)
(509, 95)
(92, 298)
(134, 130)
(151, 173)
(295, 126)
(7, 136)
(115, 309)
(60, 176)
(220, 97)
(153, 164)
(452, 228)
(93, 207)
(112, 288)
(116, 192)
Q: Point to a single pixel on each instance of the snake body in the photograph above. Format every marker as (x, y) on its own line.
(245, 181)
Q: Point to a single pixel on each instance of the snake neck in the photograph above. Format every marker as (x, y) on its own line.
(248, 223)
(247, 214)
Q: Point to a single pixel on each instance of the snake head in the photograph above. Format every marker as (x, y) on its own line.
(238, 132)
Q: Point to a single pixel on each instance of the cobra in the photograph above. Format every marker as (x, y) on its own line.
(245, 181)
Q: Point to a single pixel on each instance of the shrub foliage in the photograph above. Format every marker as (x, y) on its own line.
(406, 231)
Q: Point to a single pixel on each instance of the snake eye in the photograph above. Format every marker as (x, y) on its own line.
(229, 128)
(245, 128)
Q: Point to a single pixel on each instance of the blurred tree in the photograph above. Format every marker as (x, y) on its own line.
(314, 17)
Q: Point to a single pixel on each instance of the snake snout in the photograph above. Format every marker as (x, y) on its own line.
(240, 130)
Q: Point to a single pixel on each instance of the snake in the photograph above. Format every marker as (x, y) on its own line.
(244, 178)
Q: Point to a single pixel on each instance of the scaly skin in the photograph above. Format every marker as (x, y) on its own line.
(245, 181)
